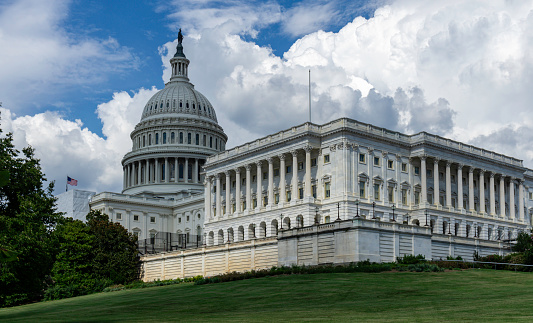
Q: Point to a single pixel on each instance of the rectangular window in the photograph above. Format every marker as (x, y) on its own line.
(288, 169)
(135, 218)
(404, 197)
(179, 220)
(429, 172)
(327, 190)
(188, 217)
(376, 192)
(224, 186)
(313, 162)
(189, 138)
(152, 219)
(390, 164)
(265, 201)
(210, 142)
(326, 159)
(417, 197)
(475, 183)
(300, 165)
(362, 158)
(441, 176)
(417, 170)
(276, 172)
(265, 175)
(530, 195)
(243, 206)
(362, 189)
(288, 196)
(391, 194)
(301, 193)
(205, 140)
(404, 167)
(464, 180)
(255, 203)
(377, 161)
(197, 139)
(244, 181)
(276, 198)
(254, 177)
(313, 189)
(453, 179)
(119, 216)
(453, 203)
(233, 183)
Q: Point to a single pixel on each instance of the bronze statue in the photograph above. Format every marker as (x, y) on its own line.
(180, 37)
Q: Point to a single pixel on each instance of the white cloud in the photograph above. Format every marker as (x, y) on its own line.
(455, 68)
(40, 58)
(309, 17)
(67, 148)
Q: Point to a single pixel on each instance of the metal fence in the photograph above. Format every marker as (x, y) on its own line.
(168, 241)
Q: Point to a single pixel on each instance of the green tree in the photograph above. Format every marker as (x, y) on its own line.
(27, 218)
(92, 256)
(117, 256)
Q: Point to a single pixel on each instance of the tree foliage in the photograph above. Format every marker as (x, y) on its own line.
(27, 218)
(92, 256)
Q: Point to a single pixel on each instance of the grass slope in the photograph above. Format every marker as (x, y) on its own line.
(472, 295)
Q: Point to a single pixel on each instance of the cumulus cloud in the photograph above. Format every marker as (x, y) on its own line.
(66, 147)
(40, 58)
(453, 68)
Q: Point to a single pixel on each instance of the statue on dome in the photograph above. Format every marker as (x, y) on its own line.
(180, 37)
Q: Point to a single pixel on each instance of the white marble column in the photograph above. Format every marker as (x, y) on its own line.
(139, 173)
(238, 190)
(207, 194)
(482, 191)
(460, 186)
(270, 161)
(492, 196)
(521, 200)
(124, 177)
(167, 179)
(511, 199)
(471, 189)
(308, 190)
(132, 174)
(248, 187)
(259, 193)
(186, 171)
(147, 171)
(218, 204)
(448, 184)
(502, 196)
(176, 170)
(282, 184)
(228, 190)
(195, 174)
(157, 172)
(436, 180)
(294, 181)
(423, 181)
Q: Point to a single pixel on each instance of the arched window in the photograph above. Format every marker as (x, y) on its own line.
(210, 142)
(187, 106)
(181, 137)
(161, 105)
(164, 137)
(193, 106)
(197, 139)
(172, 137)
(149, 139)
(189, 138)
(181, 104)
(156, 138)
(144, 141)
(205, 140)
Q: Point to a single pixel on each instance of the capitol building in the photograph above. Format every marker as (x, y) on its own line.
(338, 192)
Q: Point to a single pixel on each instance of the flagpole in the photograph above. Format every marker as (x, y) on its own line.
(66, 185)
(309, 95)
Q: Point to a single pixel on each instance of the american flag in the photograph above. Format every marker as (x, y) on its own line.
(72, 181)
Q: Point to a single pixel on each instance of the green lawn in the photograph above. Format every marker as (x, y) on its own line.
(472, 295)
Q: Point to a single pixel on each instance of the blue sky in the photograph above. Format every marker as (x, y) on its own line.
(75, 75)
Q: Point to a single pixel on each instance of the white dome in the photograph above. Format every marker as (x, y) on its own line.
(178, 97)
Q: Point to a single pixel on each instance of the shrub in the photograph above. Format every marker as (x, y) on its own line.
(411, 259)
